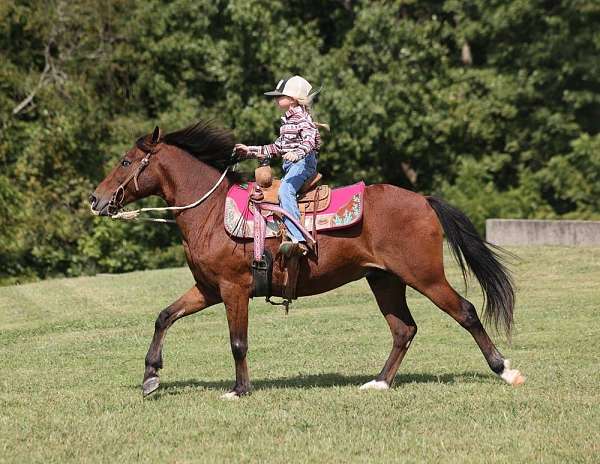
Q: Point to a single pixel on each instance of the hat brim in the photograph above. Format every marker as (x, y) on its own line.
(273, 93)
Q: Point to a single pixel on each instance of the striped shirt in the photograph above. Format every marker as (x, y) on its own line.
(298, 134)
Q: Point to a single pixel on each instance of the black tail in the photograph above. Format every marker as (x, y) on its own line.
(483, 259)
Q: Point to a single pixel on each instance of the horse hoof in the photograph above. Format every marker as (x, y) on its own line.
(150, 386)
(230, 396)
(519, 380)
(512, 376)
(375, 385)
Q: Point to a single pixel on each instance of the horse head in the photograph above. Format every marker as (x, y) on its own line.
(133, 178)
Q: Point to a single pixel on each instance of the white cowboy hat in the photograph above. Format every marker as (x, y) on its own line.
(295, 87)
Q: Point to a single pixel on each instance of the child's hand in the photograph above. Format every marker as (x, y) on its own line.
(241, 149)
(291, 156)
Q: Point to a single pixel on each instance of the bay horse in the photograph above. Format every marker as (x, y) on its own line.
(398, 243)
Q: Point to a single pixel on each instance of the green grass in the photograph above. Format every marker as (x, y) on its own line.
(73, 350)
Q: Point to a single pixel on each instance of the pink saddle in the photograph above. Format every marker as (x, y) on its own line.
(345, 210)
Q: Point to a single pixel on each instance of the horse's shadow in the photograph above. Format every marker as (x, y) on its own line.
(323, 380)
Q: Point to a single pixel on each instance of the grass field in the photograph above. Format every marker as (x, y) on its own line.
(73, 350)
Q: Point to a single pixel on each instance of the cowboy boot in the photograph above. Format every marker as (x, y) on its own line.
(289, 249)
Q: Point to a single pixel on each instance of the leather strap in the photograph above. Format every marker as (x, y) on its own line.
(119, 194)
(314, 224)
(291, 277)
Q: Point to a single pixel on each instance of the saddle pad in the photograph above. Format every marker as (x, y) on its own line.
(345, 210)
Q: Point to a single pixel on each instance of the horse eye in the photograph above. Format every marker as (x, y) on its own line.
(125, 163)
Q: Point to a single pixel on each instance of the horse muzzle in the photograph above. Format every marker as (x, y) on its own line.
(101, 206)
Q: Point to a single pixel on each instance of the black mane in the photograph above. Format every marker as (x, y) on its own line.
(203, 140)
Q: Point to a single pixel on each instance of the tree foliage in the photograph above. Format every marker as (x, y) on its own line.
(492, 104)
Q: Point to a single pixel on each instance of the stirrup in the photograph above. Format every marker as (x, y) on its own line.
(285, 302)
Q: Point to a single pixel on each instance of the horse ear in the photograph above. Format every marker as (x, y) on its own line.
(156, 135)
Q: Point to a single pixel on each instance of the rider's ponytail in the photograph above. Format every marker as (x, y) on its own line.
(307, 103)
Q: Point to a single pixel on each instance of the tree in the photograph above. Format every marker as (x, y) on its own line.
(493, 104)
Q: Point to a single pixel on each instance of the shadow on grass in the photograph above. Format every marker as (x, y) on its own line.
(324, 380)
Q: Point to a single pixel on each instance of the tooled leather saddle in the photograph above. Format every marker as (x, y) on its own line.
(310, 192)
(252, 211)
(266, 194)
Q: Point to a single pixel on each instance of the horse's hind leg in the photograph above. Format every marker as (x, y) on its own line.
(390, 293)
(463, 311)
(189, 303)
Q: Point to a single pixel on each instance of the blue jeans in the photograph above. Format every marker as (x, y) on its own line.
(295, 174)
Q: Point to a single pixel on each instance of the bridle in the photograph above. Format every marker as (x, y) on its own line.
(116, 201)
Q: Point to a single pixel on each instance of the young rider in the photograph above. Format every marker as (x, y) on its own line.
(298, 144)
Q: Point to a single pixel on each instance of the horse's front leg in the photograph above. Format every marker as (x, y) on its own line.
(192, 301)
(236, 305)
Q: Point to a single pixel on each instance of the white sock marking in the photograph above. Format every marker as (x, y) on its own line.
(375, 385)
(509, 375)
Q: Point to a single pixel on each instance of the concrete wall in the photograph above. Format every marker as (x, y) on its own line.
(542, 232)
